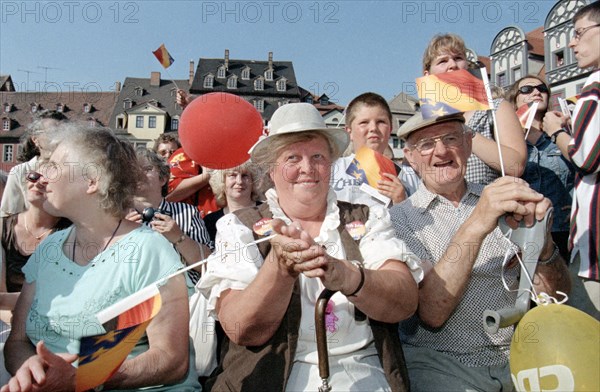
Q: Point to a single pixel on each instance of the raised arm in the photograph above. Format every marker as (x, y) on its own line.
(512, 143)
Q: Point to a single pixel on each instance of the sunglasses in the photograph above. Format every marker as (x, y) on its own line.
(529, 89)
(33, 177)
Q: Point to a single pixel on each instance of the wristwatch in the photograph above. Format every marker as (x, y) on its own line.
(555, 134)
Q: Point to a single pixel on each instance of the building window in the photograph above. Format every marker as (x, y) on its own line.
(34, 108)
(174, 124)
(232, 82)
(501, 79)
(246, 73)
(259, 84)
(281, 85)
(7, 153)
(269, 74)
(516, 74)
(92, 122)
(86, 107)
(208, 81)
(139, 91)
(283, 102)
(221, 72)
(6, 124)
(127, 103)
(324, 100)
(578, 88)
(259, 104)
(139, 121)
(120, 122)
(558, 59)
(60, 107)
(7, 107)
(152, 122)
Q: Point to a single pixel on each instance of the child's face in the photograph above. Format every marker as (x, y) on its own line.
(370, 127)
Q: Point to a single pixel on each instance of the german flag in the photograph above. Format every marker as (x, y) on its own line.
(368, 166)
(101, 355)
(163, 56)
(452, 92)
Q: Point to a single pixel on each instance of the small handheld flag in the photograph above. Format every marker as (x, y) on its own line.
(369, 165)
(101, 355)
(163, 56)
(452, 92)
(526, 114)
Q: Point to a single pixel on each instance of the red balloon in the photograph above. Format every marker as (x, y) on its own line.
(217, 130)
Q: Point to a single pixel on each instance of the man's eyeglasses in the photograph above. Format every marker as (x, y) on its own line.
(580, 31)
(426, 146)
(542, 88)
(33, 177)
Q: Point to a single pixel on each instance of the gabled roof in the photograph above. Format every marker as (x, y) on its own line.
(403, 103)
(164, 94)
(21, 116)
(245, 87)
(6, 86)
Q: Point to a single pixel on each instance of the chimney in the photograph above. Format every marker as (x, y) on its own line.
(155, 79)
(270, 60)
(117, 87)
(191, 72)
(227, 59)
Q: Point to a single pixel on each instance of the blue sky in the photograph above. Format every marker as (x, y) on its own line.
(341, 48)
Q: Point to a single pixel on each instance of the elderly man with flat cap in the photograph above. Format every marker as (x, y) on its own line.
(452, 225)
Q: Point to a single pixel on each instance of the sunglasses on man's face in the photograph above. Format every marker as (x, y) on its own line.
(33, 177)
(529, 89)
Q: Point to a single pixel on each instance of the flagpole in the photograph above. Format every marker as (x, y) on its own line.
(172, 78)
(488, 92)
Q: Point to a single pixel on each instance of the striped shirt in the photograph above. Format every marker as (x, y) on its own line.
(191, 224)
(584, 150)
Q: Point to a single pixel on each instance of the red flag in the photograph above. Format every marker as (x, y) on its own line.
(368, 166)
(526, 114)
(101, 355)
(452, 92)
(163, 56)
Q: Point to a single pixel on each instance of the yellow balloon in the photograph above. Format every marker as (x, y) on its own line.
(556, 348)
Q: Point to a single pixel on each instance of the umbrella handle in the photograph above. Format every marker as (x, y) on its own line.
(321, 331)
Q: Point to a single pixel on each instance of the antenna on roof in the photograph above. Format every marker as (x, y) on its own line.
(46, 72)
(28, 72)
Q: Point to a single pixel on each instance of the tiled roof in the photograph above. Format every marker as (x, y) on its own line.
(20, 108)
(535, 39)
(164, 96)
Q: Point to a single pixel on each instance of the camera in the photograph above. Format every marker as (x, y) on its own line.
(148, 213)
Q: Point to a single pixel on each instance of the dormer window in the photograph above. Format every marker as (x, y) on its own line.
(324, 100)
(221, 72)
(269, 74)
(282, 85)
(246, 73)
(127, 103)
(174, 91)
(259, 104)
(87, 107)
(6, 124)
(209, 81)
(232, 82)
(139, 91)
(60, 107)
(259, 84)
(92, 122)
(7, 107)
(309, 99)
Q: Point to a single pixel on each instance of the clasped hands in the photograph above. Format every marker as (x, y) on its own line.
(298, 253)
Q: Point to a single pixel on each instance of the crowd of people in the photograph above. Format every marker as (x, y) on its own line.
(406, 273)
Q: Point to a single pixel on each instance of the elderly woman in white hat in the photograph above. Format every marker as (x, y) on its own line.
(264, 294)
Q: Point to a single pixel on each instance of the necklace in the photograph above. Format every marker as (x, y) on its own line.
(37, 237)
(105, 246)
